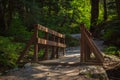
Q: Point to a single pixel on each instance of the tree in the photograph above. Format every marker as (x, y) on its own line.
(94, 15)
(2, 15)
(105, 10)
(118, 8)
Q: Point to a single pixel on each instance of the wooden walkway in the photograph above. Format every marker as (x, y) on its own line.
(73, 59)
(53, 42)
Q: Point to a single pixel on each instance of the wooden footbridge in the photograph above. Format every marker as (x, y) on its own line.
(54, 42)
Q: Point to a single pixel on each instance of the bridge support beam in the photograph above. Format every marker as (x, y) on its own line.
(90, 53)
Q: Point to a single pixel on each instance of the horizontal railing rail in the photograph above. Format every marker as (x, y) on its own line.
(55, 40)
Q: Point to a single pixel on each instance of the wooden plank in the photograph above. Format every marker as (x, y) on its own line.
(50, 43)
(53, 49)
(88, 45)
(87, 32)
(45, 29)
(82, 48)
(93, 48)
(27, 47)
(35, 52)
(64, 47)
(36, 45)
(83, 44)
(57, 49)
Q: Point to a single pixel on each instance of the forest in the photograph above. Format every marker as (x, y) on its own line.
(18, 17)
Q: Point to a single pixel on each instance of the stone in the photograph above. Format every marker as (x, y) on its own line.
(96, 72)
(27, 65)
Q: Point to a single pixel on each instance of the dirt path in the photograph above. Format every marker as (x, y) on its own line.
(42, 72)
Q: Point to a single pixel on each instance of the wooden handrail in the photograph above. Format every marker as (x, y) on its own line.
(57, 42)
(50, 43)
(45, 29)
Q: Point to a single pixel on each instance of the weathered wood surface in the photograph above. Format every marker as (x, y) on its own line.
(27, 47)
(50, 43)
(57, 42)
(88, 47)
(45, 29)
(66, 60)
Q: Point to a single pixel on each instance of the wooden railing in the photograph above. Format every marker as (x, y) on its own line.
(89, 48)
(51, 39)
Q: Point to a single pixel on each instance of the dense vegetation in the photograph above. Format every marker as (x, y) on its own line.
(18, 17)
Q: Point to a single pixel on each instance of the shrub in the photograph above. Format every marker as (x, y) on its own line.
(112, 50)
(70, 41)
(8, 52)
(18, 30)
(112, 33)
(41, 53)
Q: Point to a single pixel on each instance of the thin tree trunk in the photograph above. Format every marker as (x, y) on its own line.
(10, 5)
(2, 16)
(64, 21)
(118, 8)
(94, 15)
(105, 10)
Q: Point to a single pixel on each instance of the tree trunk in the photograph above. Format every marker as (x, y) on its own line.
(10, 12)
(118, 8)
(105, 10)
(2, 17)
(94, 15)
(63, 22)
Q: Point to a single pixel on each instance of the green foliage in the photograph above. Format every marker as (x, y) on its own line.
(112, 33)
(70, 41)
(112, 50)
(8, 52)
(112, 9)
(59, 15)
(101, 12)
(18, 30)
(41, 53)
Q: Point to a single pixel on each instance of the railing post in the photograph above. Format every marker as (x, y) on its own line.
(53, 48)
(46, 47)
(88, 52)
(57, 49)
(63, 41)
(36, 43)
(82, 55)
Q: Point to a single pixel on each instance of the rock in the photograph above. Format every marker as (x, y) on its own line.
(96, 72)
(27, 65)
(15, 69)
(35, 64)
(76, 36)
(0, 74)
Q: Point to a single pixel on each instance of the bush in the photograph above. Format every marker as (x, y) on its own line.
(8, 52)
(112, 50)
(41, 53)
(112, 33)
(70, 41)
(18, 30)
